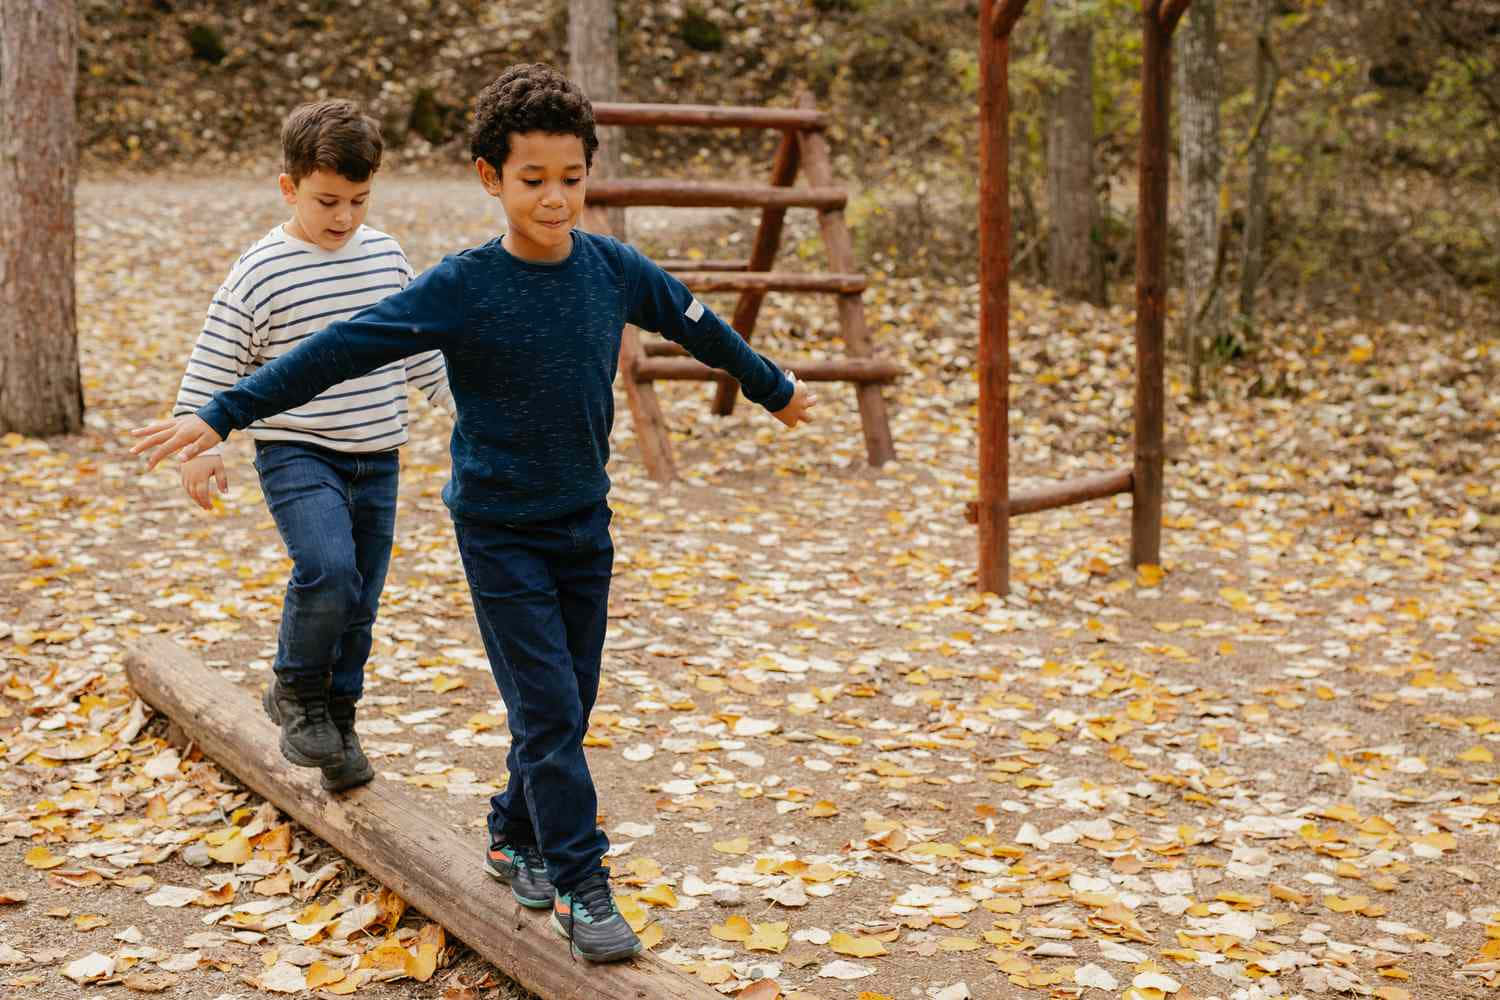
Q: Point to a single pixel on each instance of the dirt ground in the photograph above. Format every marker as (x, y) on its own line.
(1265, 770)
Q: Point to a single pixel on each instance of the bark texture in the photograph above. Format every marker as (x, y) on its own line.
(1198, 88)
(1075, 265)
(1257, 208)
(594, 64)
(40, 389)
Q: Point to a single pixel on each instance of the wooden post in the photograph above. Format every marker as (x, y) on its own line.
(391, 835)
(762, 253)
(996, 18)
(877, 427)
(1157, 22)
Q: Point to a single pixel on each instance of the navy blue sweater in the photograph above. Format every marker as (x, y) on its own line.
(531, 350)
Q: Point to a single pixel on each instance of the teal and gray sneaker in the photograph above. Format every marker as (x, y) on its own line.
(593, 925)
(523, 869)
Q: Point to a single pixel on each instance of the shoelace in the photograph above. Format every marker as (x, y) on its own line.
(594, 896)
(532, 858)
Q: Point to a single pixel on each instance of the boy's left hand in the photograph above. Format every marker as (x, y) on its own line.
(798, 408)
(168, 437)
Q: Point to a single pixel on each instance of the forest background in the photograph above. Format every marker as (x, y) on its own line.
(1381, 142)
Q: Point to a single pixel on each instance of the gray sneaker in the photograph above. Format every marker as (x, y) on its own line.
(353, 768)
(300, 707)
(593, 925)
(523, 869)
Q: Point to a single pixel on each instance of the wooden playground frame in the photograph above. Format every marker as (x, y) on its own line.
(804, 147)
(1144, 480)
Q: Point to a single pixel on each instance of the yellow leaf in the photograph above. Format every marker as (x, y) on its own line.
(1477, 755)
(89, 921)
(1360, 354)
(1149, 574)
(659, 895)
(739, 845)
(761, 989)
(856, 947)
(1341, 904)
(736, 928)
(234, 851)
(41, 858)
(421, 965)
(651, 936)
(768, 937)
(442, 683)
(959, 944)
(349, 983)
(822, 809)
(321, 974)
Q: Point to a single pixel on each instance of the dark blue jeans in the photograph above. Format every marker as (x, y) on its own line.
(541, 596)
(336, 513)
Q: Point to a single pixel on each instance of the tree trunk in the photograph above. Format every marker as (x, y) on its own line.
(1198, 95)
(1075, 261)
(594, 64)
(1257, 208)
(40, 388)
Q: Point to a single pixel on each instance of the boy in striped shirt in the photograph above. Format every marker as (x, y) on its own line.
(328, 468)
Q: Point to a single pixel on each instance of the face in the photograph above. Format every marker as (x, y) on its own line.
(326, 207)
(541, 187)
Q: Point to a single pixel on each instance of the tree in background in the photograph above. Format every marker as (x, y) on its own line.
(594, 64)
(1075, 264)
(40, 388)
(1257, 205)
(1198, 93)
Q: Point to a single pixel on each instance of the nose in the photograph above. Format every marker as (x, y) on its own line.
(553, 195)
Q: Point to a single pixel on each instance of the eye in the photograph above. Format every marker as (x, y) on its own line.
(327, 204)
(531, 182)
(573, 181)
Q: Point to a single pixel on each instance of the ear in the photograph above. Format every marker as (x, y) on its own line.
(488, 176)
(288, 189)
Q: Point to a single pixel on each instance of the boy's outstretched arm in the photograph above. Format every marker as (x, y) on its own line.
(422, 317)
(659, 302)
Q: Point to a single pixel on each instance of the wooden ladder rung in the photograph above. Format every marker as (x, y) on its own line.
(712, 194)
(674, 265)
(708, 116)
(679, 369)
(771, 281)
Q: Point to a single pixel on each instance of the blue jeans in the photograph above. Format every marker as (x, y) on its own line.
(541, 596)
(336, 513)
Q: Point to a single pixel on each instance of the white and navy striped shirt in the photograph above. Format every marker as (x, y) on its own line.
(284, 290)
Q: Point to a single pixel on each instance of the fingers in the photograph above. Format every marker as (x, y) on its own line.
(150, 437)
(171, 445)
(222, 479)
(152, 428)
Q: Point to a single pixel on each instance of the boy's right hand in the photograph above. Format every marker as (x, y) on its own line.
(196, 475)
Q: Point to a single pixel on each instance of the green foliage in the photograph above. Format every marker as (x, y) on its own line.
(700, 33)
(206, 44)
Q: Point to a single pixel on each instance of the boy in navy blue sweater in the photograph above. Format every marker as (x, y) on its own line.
(529, 325)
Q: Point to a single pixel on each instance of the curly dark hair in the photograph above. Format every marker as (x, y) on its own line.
(532, 97)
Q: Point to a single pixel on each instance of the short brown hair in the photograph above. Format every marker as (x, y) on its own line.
(331, 135)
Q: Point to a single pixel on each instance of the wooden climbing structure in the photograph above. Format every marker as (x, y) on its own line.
(803, 149)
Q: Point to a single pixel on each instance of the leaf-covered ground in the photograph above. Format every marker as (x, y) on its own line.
(824, 761)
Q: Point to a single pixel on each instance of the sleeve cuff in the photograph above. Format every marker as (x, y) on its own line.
(782, 396)
(214, 415)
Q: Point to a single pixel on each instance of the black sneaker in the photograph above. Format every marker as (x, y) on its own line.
(523, 869)
(353, 769)
(593, 925)
(300, 707)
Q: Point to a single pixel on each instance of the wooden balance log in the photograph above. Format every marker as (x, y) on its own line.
(389, 833)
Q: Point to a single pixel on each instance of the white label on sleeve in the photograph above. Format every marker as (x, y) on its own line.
(694, 311)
